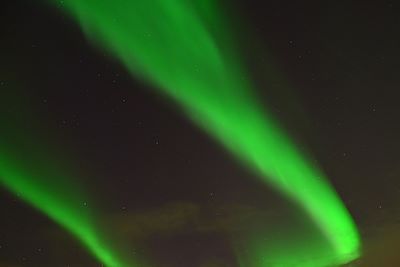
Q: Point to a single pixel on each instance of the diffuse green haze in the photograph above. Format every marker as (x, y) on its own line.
(181, 48)
(29, 169)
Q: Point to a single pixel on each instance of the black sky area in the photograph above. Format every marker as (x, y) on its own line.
(334, 85)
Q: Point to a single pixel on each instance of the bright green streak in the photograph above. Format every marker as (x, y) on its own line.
(182, 48)
(29, 170)
(70, 217)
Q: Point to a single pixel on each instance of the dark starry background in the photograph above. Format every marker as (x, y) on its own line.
(147, 164)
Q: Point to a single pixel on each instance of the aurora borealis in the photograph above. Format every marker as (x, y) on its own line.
(189, 53)
(170, 44)
(28, 170)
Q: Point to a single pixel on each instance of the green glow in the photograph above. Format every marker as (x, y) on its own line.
(182, 48)
(29, 170)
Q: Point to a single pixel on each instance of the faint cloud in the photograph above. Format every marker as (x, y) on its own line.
(180, 216)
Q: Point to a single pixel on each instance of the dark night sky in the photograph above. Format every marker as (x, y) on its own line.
(340, 61)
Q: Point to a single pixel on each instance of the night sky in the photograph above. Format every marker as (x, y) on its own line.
(161, 182)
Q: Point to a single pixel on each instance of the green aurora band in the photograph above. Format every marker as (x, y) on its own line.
(183, 48)
(30, 170)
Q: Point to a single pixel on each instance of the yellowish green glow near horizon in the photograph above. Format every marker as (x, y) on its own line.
(183, 49)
